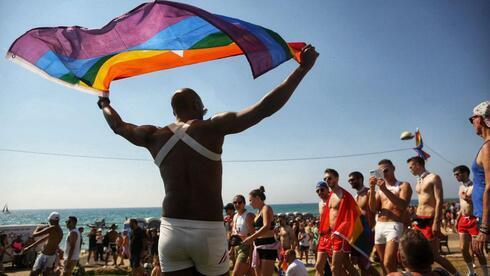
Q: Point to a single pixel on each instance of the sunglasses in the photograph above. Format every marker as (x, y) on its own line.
(472, 118)
(321, 190)
(237, 202)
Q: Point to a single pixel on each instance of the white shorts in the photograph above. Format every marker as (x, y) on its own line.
(44, 261)
(386, 231)
(193, 243)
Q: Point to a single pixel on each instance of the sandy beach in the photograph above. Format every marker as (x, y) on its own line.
(454, 256)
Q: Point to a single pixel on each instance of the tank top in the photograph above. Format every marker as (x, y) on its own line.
(76, 250)
(240, 223)
(478, 186)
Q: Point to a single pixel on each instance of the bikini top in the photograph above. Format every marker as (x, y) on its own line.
(259, 222)
(179, 130)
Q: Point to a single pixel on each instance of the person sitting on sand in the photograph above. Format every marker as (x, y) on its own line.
(295, 266)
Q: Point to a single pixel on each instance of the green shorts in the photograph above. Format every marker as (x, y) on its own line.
(242, 252)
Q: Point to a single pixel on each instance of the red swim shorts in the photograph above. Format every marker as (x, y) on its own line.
(424, 225)
(468, 225)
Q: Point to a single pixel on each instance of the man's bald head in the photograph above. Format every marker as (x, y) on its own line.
(186, 100)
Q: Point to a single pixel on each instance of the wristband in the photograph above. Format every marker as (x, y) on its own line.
(484, 231)
(102, 102)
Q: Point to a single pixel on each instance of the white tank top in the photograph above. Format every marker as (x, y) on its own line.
(240, 222)
(76, 250)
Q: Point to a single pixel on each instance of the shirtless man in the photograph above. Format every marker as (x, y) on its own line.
(321, 259)
(287, 239)
(52, 235)
(390, 203)
(356, 180)
(466, 223)
(337, 248)
(481, 176)
(429, 211)
(112, 247)
(188, 154)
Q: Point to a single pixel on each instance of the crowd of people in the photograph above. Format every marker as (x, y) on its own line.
(385, 214)
(192, 237)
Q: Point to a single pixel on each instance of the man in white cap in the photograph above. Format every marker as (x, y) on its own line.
(52, 235)
(481, 176)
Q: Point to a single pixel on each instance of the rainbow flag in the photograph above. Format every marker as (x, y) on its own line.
(419, 144)
(348, 224)
(153, 36)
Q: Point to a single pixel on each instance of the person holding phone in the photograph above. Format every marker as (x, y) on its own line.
(390, 203)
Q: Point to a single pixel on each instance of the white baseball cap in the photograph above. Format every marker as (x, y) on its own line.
(483, 110)
(54, 216)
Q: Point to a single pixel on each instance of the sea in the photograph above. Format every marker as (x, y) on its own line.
(119, 215)
(116, 216)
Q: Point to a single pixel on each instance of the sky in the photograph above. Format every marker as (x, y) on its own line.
(384, 67)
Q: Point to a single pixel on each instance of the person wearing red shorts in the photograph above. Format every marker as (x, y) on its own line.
(466, 223)
(334, 214)
(321, 261)
(429, 209)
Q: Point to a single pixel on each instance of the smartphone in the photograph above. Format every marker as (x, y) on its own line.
(377, 174)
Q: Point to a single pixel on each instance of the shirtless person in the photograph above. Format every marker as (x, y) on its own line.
(188, 154)
(111, 236)
(429, 211)
(287, 239)
(52, 235)
(466, 223)
(356, 180)
(337, 248)
(321, 259)
(390, 203)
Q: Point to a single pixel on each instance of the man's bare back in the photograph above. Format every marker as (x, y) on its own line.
(192, 182)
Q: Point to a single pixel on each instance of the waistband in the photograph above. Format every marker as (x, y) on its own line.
(423, 217)
(187, 223)
(388, 223)
(262, 241)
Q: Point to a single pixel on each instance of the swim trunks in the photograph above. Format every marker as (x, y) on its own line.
(468, 225)
(44, 261)
(424, 225)
(331, 243)
(386, 231)
(192, 243)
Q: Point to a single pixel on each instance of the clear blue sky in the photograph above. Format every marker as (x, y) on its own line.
(384, 67)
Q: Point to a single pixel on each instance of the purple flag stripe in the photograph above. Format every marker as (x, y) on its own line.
(138, 26)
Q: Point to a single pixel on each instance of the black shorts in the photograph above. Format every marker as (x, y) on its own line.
(304, 248)
(113, 248)
(266, 254)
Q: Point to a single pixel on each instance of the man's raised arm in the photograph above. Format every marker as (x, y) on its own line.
(138, 135)
(234, 122)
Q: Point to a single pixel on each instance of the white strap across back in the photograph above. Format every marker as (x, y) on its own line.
(179, 130)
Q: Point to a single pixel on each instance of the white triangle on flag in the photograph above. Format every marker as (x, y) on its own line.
(178, 52)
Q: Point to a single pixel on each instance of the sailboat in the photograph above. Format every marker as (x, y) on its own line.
(6, 209)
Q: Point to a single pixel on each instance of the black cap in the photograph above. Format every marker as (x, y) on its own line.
(229, 206)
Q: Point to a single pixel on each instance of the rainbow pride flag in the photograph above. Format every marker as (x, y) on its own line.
(153, 36)
(348, 224)
(419, 145)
